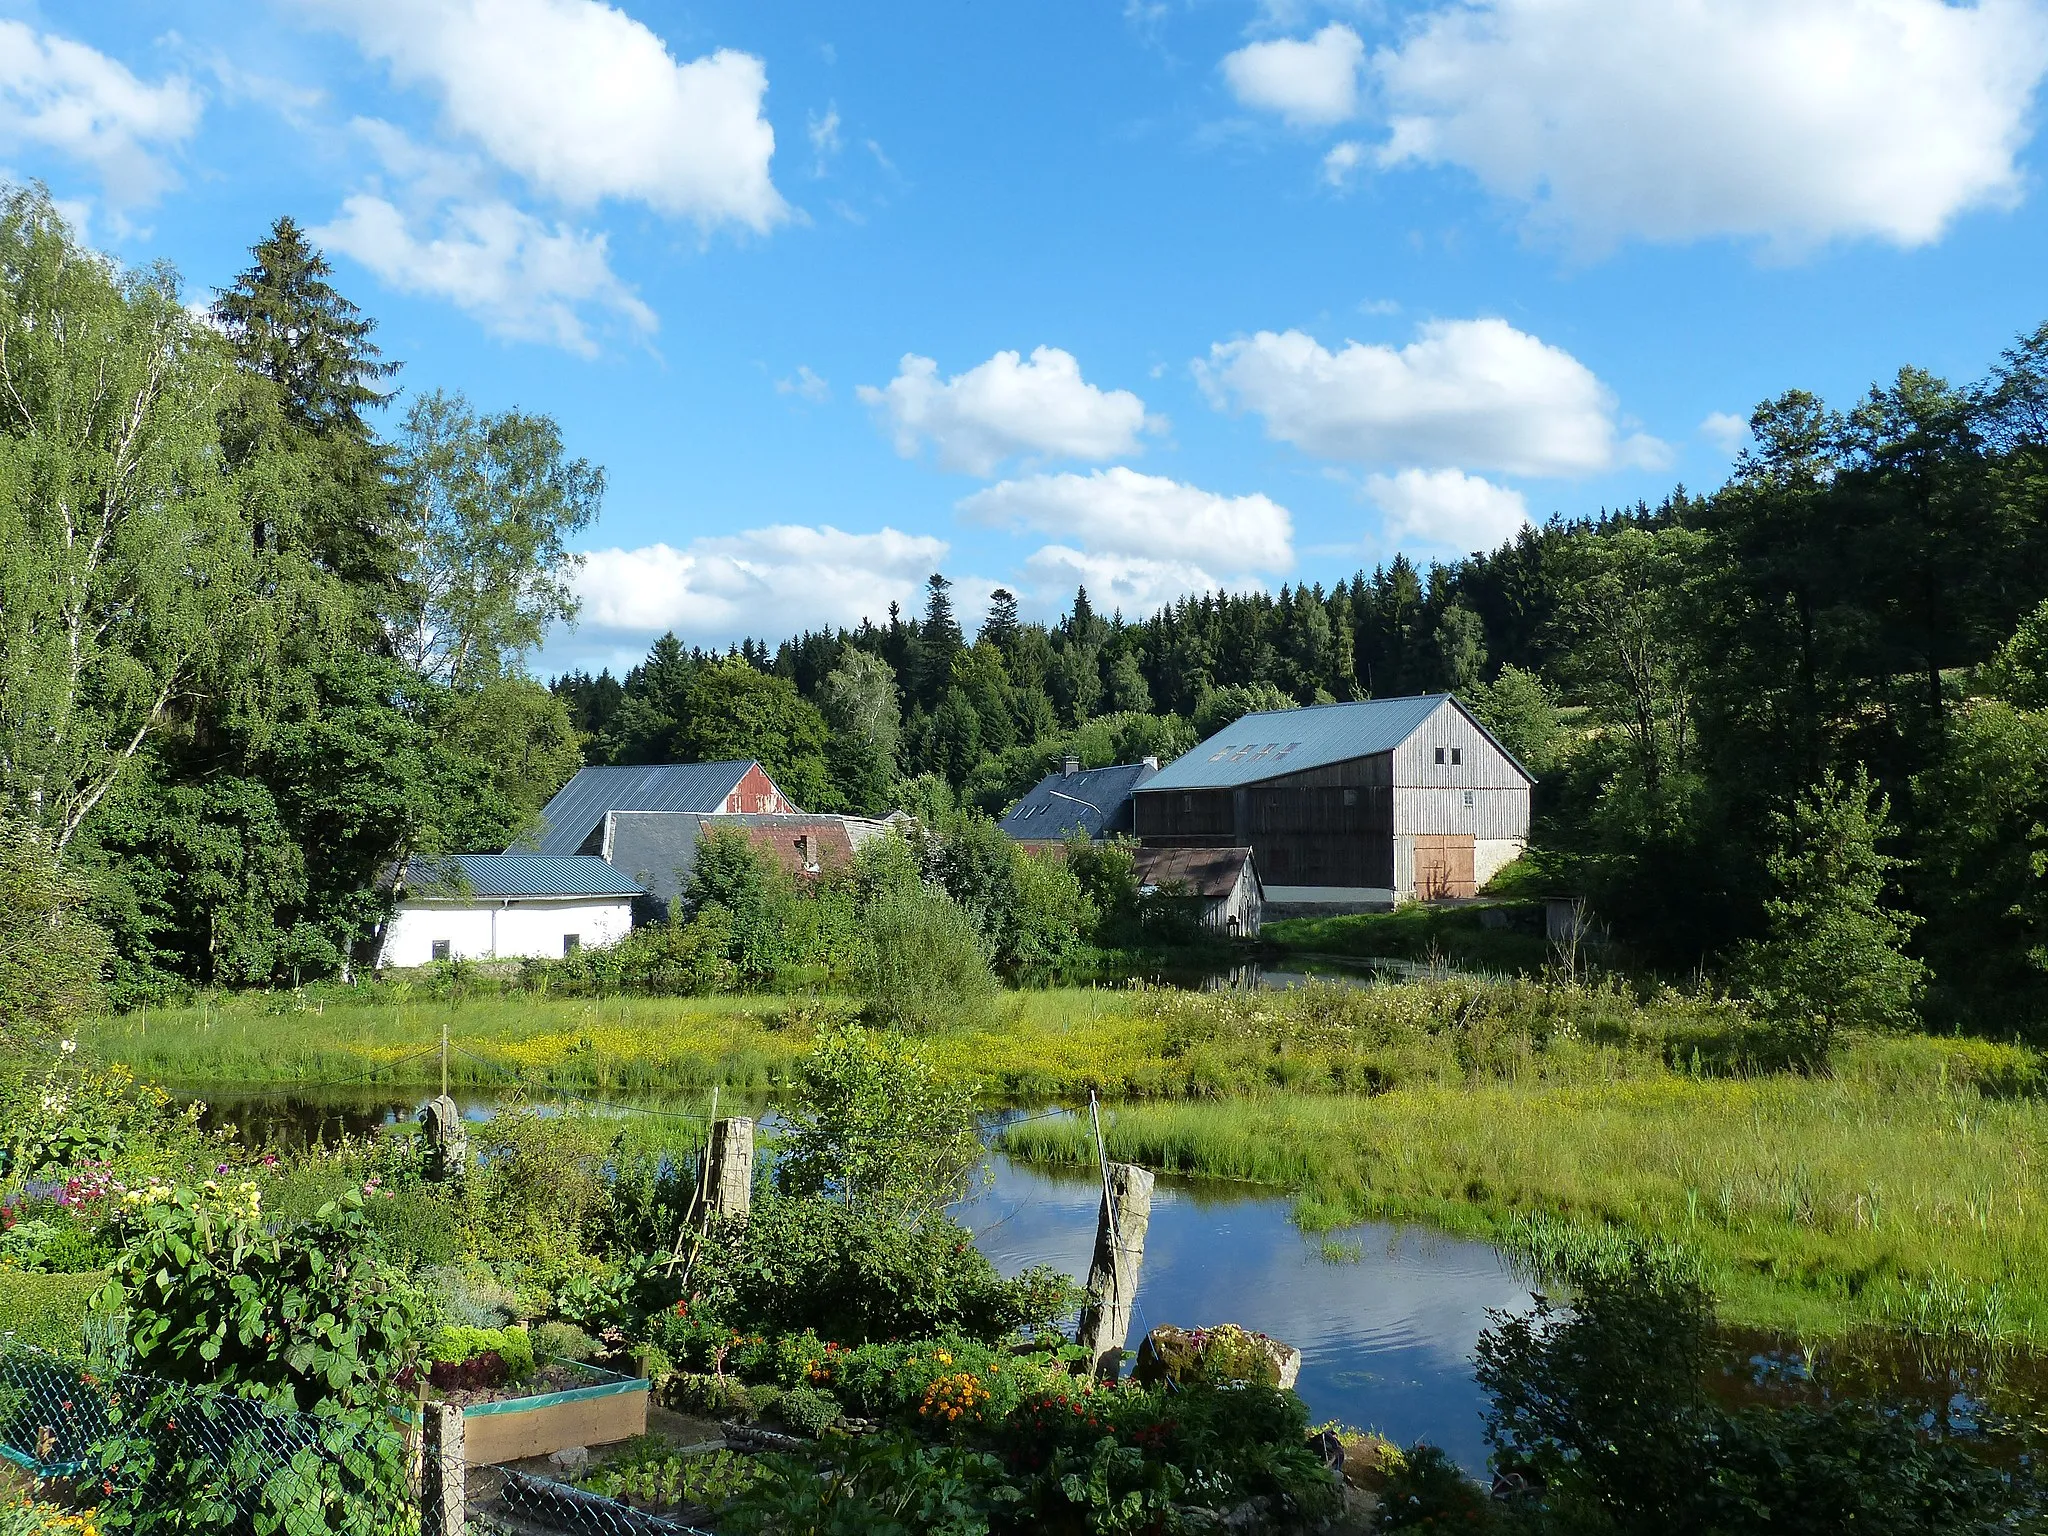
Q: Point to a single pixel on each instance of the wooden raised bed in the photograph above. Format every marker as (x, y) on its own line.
(610, 1408)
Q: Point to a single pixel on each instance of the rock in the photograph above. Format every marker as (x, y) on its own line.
(1223, 1353)
(1367, 1461)
(570, 1459)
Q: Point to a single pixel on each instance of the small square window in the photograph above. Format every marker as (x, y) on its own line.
(1457, 755)
(440, 949)
(1187, 802)
(571, 942)
(1468, 797)
(1439, 754)
(1351, 797)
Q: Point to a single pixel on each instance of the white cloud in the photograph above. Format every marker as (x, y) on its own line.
(1311, 83)
(805, 384)
(824, 136)
(1466, 392)
(1798, 123)
(1341, 161)
(1725, 430)
(764, 581)
(1007, 406)
(62, 95)
(1447, 506)
(1121, 512)
(585, 102)
(519, 277)
(1133, 583)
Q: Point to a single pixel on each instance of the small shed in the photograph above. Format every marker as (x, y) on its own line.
(1224, 881)
(506, 906)
(1088, 802)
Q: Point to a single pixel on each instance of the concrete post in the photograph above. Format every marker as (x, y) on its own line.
(1120, 1228)
(443, 1499)
(732, 1166)
(447, 1139)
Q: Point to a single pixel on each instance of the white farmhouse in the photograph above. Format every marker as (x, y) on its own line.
(507, 906)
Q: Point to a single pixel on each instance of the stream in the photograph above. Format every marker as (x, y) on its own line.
(1386, 1316)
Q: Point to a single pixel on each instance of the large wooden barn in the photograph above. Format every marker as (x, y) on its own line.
(1349, 806)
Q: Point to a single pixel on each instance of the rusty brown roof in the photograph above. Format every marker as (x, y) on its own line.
(1208, 872)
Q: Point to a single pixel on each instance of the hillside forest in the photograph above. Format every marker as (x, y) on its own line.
(267, 613)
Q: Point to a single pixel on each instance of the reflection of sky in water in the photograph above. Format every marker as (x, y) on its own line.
(1386, 1341)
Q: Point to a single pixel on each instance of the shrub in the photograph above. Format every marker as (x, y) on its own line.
(870, 1123)
(807, 1410)
(564, 1341)
(921, 963)
(1426, 1491)
(855, 1274)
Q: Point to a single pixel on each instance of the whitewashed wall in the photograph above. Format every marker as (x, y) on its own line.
(490, 928)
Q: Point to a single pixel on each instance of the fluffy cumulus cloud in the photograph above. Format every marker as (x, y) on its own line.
(1797, 123)
(1725, 430)
(721, 587)
(1120, 513)
(1005, 407)
(1470, 393)
(522, 278)
(585, 102)
(59, 94)
(1447, 506)
(1136, 584)
(1311, 83)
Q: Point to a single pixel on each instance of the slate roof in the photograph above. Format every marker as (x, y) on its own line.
(579, 805)
(659, 848)
(1210, 873)
(516, 874)
(1264, 746)
(1095, 802)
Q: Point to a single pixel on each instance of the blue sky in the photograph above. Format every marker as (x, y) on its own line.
(1157, 296)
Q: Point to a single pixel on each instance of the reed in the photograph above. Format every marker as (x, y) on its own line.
(1809, 1203)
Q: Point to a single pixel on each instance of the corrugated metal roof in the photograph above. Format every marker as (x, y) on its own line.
(579, 805)
(517, 874)
(1093, 802)
(1266, 746)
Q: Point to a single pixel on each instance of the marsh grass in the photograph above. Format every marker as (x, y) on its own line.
(1810, 1204)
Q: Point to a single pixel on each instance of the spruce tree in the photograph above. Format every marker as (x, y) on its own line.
(310, 372)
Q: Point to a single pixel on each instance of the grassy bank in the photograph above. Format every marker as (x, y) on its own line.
(1898, 1192)
(1040, 1044)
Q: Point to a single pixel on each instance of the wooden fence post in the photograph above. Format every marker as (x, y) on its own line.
(443, 1496)
(1120, 1228)
(732, 1166)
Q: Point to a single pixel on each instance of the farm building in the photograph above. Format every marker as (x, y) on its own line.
(573, 821)
(1093, 802)
(1223, 882)
(506, 906)
(1349, 806)
(658, 849)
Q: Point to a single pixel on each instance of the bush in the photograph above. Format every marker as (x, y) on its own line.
(1426, 1491)
(564, 1341)
(807, 1410)
(854, 1274)
(922, 964)
(49, 1311)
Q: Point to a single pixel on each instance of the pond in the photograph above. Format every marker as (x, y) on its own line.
(1386, 1316)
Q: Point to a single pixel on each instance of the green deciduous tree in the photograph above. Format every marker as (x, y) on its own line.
(52, 956)
(123, 564)
(859, 701)
(488, 505)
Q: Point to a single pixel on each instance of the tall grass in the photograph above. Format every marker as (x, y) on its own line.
(1035, 1045)
(1810, 1203)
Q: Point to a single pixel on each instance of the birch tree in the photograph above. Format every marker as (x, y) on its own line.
(122, 558)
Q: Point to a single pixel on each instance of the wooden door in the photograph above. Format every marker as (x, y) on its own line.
(1445, 866)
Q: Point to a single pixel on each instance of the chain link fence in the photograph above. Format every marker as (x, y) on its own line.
(175, 1456)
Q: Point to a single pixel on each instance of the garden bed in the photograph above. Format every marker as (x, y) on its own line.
(563, 1404)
